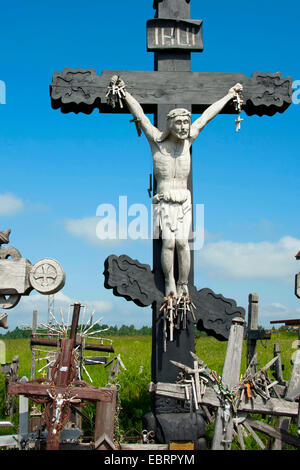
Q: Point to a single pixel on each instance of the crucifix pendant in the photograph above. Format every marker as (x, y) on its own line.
(238, 123)
(238, 101)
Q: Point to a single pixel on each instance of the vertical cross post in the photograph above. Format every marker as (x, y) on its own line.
(75, 320)
(179, 349)
(67, 345)
(177, 61)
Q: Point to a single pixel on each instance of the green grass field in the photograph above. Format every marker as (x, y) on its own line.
(135, 352)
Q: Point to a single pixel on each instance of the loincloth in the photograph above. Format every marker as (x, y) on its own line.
(172, 214)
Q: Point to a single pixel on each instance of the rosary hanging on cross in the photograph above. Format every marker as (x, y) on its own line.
(116, 91)
(238, 101)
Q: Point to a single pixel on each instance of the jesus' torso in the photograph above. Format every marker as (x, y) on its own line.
(171, 165)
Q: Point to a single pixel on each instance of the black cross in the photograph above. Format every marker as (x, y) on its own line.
(172, 36)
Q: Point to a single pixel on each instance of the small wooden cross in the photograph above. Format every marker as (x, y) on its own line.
(59, 392)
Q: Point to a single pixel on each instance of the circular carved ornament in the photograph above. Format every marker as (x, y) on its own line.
(47, 276)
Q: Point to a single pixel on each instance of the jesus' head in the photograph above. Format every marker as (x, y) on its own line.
(178, 124)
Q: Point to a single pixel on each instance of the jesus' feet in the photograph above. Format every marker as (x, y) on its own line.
(182, 289)
(170, 288)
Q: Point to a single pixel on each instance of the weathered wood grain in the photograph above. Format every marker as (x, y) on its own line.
(105, 422)
(14, 276)
(83, 393)
(146, 447)
(174, 34)
(273, 432)
(78, 90)
(230, 378)
(293, 389)
(273, 406)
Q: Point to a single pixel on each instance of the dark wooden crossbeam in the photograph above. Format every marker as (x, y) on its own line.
(295, 322)
(35, 341)
(78, 90)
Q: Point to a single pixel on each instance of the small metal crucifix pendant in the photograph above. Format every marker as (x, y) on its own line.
(238, 123)
(238, 101)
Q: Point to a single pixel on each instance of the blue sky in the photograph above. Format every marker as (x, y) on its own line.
(56, 169)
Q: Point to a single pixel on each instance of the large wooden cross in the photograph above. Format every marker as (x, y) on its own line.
(172, 36)
(59, 392)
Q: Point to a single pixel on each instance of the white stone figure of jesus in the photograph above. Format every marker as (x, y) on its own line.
(171, 166)
(59, 401)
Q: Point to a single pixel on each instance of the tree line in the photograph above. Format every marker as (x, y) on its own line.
(124, 330)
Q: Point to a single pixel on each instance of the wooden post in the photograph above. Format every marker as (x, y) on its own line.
(284, 421)
(105, 424)
(23, 412)
(75, 320)
(34, 326)
(52, 356)
(231, 375)
(252, 325)
(278, 365)
(23, 415)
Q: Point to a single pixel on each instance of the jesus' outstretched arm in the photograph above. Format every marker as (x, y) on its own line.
(150, 131)
(213, 110)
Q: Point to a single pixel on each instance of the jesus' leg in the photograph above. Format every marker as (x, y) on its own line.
(167, 264)
(184, 261)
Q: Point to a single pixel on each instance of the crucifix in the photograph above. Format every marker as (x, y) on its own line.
(62, 390)
(172, 35)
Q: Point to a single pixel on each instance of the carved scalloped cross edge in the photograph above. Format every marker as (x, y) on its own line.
(134, 281)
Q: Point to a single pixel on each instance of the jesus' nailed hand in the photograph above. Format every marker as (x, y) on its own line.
(171, 165)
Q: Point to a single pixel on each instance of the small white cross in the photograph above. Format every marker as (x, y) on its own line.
(238, 123)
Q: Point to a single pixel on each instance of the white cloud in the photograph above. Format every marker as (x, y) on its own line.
(262, 260)
(275, 311)
(83, 228)
(86, 228)
(276, 306)
(94, 230)
(10, 204)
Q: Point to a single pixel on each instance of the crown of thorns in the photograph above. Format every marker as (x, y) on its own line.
(178, 112)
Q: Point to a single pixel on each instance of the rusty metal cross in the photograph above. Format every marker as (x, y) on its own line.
(59, 392)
